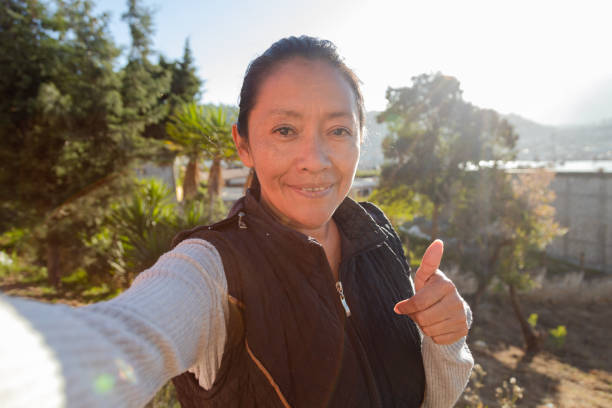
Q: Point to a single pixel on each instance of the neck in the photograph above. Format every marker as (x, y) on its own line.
(320, 233)
(327, 235)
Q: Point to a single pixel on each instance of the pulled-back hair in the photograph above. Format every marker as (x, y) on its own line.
(304, 46)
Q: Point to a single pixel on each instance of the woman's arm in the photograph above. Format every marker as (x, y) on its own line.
(447, 369)
(443, 318)
(120, 352)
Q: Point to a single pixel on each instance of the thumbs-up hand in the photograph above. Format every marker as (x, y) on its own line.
(436, 305)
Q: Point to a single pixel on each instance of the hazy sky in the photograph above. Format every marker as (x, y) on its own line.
(550, 61)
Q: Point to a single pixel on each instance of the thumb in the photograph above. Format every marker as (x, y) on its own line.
(429, 264)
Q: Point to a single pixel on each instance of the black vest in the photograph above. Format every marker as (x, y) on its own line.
(290, 342)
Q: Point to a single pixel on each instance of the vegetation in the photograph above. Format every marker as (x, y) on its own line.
(434, 134)
(76, 225)
(197, 131)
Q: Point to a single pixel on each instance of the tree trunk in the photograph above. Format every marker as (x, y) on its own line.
(434, 221)
(532, 339)
(192, 179)
(214, 178)
(478, 295)
(54, 270)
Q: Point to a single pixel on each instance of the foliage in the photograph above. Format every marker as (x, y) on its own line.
(509, 393)
(558, 336)
(60, 127)
(506, 395)
(197, 131)
(145, 85)
(400, 204)
(471, 395)
(367, 173)
(75, 122)
(140, 228)
(435, 135)
(13, 266)
(533, 320)
(185, 86)
(502, 222)
(165, 398)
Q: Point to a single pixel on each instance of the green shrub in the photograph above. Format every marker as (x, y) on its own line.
(558, 336)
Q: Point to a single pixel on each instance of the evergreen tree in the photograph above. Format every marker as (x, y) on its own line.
(186, 85)
(144, 85)
(61, 128)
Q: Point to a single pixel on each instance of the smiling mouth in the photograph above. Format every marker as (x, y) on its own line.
(314, 191)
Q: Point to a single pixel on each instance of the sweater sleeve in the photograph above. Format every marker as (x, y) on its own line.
(447, 369)
(120, 352)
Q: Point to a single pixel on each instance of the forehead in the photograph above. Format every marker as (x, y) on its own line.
(307, 87)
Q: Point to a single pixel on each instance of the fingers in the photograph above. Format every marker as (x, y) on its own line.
(429, 264)
(445, 328)
(449, 338)
(438, 310)
(426, 297)
(448, 308)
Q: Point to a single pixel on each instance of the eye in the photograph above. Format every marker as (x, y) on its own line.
(341, 132)
(284, 131)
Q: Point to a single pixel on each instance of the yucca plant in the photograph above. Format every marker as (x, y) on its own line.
(197, 132)
(144, 225)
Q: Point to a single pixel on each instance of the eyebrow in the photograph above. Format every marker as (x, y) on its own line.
(295, 114)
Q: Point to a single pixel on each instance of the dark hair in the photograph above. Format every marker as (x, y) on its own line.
(282, 50)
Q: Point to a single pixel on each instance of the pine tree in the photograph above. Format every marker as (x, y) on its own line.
(144, 85)
(61, 129)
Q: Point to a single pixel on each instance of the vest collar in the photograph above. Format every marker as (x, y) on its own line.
(358, 229)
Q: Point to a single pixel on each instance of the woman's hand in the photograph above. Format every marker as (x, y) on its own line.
(436, 305)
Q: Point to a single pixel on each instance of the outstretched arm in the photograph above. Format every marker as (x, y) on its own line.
(120, 352)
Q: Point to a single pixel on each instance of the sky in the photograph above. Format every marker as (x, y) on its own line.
(548, 61)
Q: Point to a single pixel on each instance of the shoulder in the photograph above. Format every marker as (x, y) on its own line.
(211, 233)
(385, 225)
(376, 213)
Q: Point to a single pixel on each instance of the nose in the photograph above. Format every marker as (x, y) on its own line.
(315, 153)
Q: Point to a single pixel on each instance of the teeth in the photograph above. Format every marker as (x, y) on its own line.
(314, 189)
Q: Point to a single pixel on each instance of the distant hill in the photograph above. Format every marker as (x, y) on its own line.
(536, 141)
(542, 142)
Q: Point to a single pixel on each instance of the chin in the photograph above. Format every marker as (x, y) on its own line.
(312, 218)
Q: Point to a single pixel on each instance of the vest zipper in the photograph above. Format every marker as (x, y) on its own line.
(343, 299)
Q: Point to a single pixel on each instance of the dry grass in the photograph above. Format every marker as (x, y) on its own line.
(571, 287)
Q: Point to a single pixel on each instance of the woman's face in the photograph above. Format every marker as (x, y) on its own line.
(304, 140)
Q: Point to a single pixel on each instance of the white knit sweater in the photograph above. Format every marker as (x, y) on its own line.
(120, 352)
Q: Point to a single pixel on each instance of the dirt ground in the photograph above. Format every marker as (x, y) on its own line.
(576, 374)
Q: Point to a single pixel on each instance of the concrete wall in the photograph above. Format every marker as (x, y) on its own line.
(584, 206)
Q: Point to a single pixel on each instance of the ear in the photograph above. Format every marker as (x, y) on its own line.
(242, 145)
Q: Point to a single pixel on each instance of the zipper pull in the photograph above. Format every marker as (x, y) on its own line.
(241, 223)
(343, 299)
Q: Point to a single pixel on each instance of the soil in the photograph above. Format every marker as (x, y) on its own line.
(577, 373)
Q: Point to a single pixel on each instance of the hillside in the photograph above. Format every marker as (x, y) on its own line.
(536, 141)
(542, 142)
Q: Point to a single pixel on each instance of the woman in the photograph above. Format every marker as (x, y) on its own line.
(301, 297)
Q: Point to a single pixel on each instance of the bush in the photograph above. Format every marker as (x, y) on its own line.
(140, 228)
